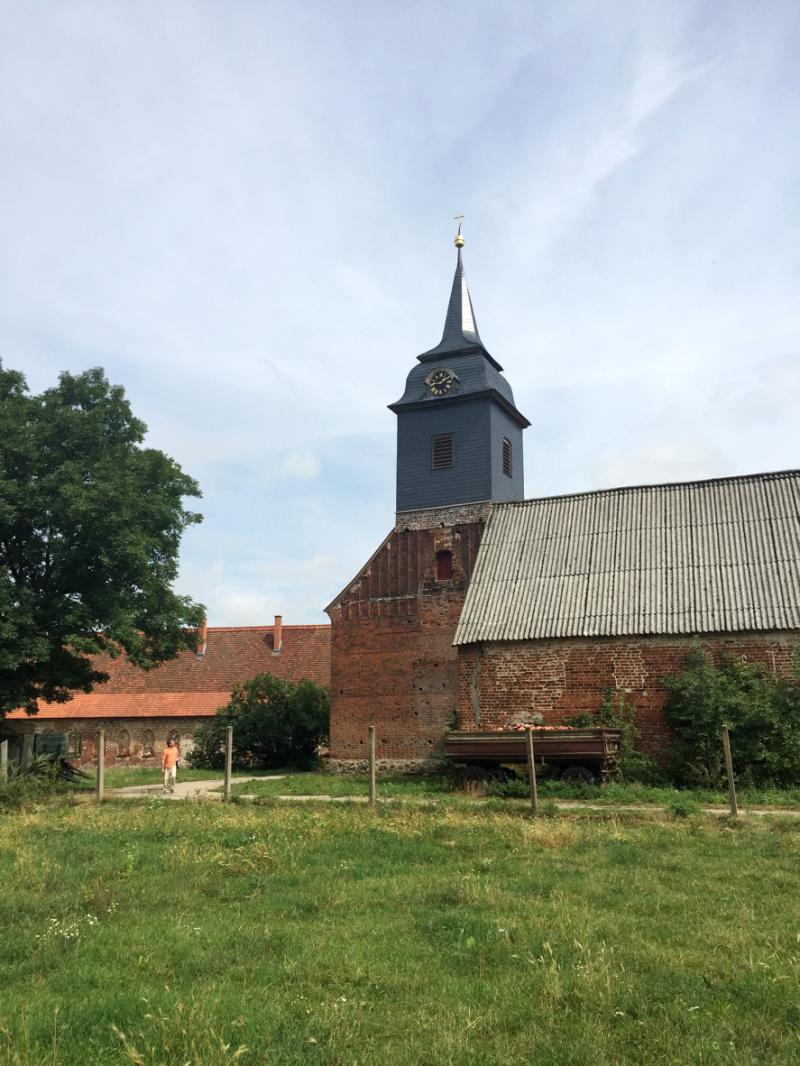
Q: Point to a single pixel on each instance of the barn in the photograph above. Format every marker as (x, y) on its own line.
(576, 595)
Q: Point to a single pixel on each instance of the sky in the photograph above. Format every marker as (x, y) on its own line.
(243, 211)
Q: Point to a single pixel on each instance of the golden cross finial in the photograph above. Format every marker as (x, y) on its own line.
(459, 241)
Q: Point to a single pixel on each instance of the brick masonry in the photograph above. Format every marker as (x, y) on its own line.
(561, 678)
(129, 741)
(393, 663)
(439, 517)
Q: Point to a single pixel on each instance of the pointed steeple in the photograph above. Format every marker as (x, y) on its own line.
(460, 328)
(459, 433)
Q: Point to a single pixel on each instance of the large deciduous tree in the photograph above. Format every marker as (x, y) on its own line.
(90, 526)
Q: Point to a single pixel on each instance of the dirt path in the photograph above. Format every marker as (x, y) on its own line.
(212, 790)
(562, 805)
(185, 790)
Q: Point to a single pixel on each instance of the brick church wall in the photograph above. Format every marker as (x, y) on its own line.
(561, 678)
(392, 660)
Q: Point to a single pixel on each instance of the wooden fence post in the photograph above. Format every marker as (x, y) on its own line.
(228, 761)
(726, 745)
(100, 744)
(4, 761)
(371, 755)
(532, 774)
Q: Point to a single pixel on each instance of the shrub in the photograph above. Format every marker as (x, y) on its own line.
(616, 713)
(275, 723)
(761, 710)
(684, 808)
(36, 783)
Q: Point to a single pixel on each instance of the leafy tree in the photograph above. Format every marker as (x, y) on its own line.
(275, 723)
(90, 526)
(761, 709)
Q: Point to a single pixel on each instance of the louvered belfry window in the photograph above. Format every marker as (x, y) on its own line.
(507, 468)
(442, 451)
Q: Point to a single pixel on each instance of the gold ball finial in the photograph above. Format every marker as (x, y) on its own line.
(459, 241)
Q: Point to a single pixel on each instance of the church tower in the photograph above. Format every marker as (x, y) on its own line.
(459, 434)
(459, 449)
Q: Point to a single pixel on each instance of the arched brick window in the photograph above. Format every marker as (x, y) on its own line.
(148, 743)
(444, 565)
(123, 744)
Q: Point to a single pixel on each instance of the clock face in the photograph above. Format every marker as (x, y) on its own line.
(440, 382)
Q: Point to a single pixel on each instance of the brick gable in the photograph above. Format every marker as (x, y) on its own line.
(394, 664)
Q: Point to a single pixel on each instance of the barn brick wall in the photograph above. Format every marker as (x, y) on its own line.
(561, 678)
(392, 660)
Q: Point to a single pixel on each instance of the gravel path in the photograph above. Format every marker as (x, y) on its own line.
(185, 790)
(562, 805)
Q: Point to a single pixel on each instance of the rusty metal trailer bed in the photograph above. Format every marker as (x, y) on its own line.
(578, 755)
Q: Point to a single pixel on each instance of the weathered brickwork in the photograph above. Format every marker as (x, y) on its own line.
(129, 741)
(437, 517)
(392, 660)
(561, 678)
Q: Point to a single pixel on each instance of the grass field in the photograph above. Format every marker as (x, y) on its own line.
(158, 934)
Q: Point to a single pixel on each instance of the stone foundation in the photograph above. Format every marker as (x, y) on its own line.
(385, 766)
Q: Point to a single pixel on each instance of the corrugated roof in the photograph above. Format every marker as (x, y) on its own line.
(700, 557)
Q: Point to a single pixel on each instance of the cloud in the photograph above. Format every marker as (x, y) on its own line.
(245, 215)
(235, 606)
(663, 461)
(303, 465)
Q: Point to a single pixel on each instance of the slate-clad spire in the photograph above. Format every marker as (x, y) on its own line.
(459, 433)
(460, 327)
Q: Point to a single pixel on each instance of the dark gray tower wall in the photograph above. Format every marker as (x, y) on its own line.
(478, 429)
(505, 487)
(477, 409)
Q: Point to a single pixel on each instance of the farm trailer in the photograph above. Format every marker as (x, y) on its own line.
(575, 755)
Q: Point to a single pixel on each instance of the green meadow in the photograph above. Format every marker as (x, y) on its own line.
(157, 933)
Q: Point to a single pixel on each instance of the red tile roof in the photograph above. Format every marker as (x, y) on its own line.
(190, 686)
(100, 704)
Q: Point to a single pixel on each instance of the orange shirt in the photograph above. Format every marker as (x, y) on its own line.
(171, 756)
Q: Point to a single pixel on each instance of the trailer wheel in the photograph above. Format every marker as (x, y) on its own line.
(578, 775)
(504, 773)
(473, 779)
